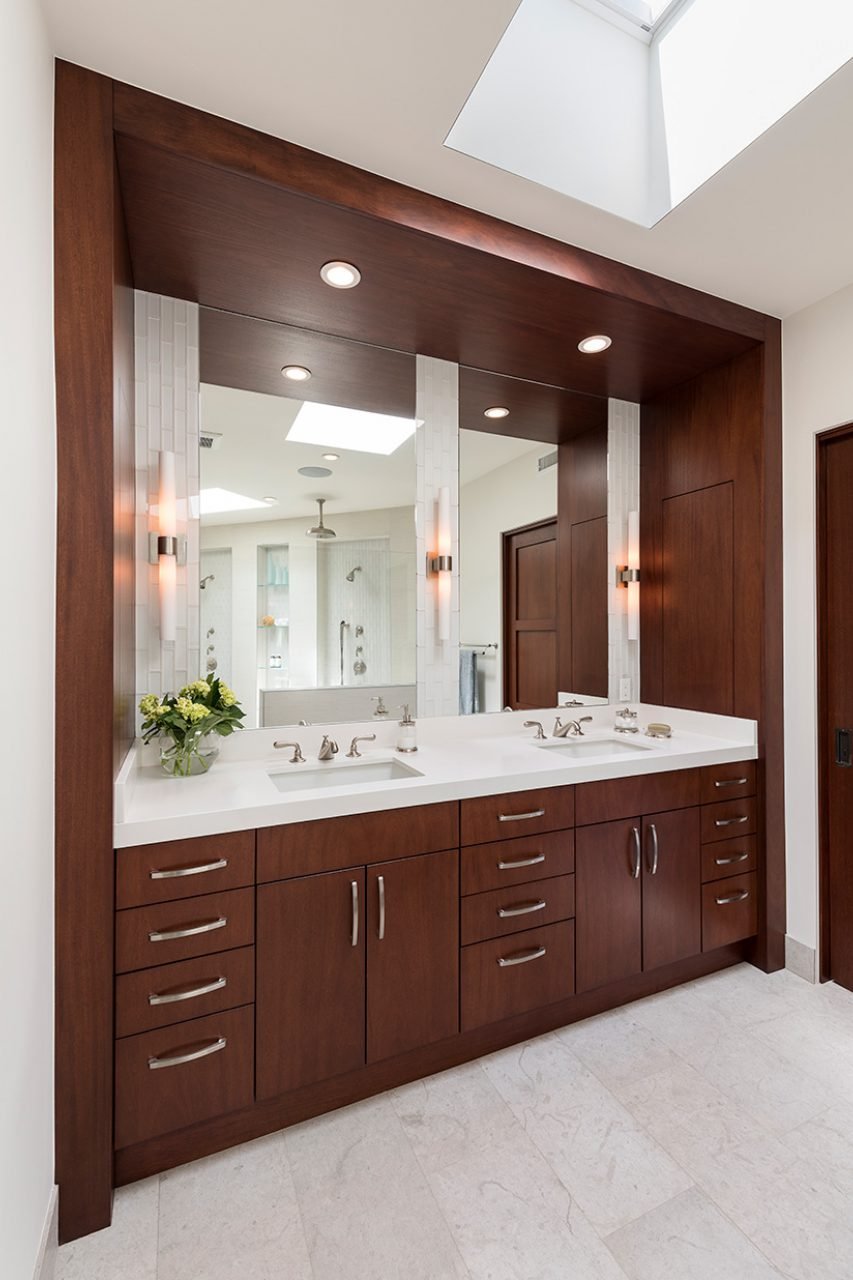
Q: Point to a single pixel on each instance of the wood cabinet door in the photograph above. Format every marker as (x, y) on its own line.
(608, 886)
(412, 953)
(310, 984)
(672, 887)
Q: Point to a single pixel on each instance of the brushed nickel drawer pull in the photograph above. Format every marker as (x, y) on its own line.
(731, 822)
(380, 880)
(521, 817)
(522, 909)
(176, 1059)
(732, 782)
(736, 857)
(168, 935)
(354, 890)
(740, 896)
(172, 997)
(174, 873)
(522, 958)
(636, 856)
(521, 862)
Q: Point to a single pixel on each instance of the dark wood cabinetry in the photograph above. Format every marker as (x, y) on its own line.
(672, 916)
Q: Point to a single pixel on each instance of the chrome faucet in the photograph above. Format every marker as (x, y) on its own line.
(571, 729)
(328, 748)
(297, 757)
(540, 732)
(353, 746)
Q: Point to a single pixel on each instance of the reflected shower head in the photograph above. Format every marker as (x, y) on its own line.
(320, 530)
(353, 572)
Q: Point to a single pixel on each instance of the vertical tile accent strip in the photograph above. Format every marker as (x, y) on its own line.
(437, 454)
(623, 495)
(166, 417)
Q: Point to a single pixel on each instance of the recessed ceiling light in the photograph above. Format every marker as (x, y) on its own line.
(296, 372)
(496, 411)
(340, 275)
(315, 473)
(331, 457)
(271, 502)
(592, 346)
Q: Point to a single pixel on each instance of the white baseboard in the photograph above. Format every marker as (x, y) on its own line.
(46, 1260)
(800, 959)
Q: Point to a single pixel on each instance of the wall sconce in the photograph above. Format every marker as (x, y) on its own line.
(165, 548)
(628, 575)
(442, 563)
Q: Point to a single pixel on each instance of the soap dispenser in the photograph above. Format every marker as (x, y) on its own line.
(407, 738)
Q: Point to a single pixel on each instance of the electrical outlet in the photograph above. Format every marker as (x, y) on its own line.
(625, 689)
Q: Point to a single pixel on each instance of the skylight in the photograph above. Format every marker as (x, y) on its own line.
(214, 502)
(647, 14)
(333, 427)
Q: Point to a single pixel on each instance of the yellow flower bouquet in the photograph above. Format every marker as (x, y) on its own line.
(184, 724)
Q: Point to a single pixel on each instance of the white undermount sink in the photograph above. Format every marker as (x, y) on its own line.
(298, 778)
(587, 748)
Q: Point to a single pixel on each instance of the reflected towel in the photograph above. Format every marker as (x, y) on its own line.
(469, 686)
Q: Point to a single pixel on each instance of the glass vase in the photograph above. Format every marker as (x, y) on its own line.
(194, 755)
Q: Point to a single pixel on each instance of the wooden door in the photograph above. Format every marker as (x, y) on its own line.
(310, 985)
(836, 718)
(672, 887)
(697, 575)
(530, 616)
(412, 953)
(608, 871)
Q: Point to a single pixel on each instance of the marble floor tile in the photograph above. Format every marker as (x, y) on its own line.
(617, 1048)
(367, 1209)
(513, 1219)
(451, 1116)
(614, 1169)
(688, 1239)
(127, 1250)
(233, 1214)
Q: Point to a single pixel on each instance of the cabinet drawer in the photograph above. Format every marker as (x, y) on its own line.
(175, 1076)
(184, 868)
(170, 931)
(729, 911)
(728, 858)
(304, 848)
(172, 993)
(521, 813)
(728, 781)
(512, 862)
(627, 797)
(510, 910)
(538, 969)
(728, 818)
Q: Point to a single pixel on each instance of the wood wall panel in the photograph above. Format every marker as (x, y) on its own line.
(589, 607)
(582, 564)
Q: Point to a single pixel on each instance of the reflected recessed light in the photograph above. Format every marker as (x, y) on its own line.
(331, 457)
(496, 411)
(315, 473)
(340, 275)
(271, 502)
(296, 372)
(591, 346)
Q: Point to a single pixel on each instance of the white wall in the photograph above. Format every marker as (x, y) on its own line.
(27, 531)
(818, 394)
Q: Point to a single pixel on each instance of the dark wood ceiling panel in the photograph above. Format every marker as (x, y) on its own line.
(536, 412)
(242, 352)
(233, 242)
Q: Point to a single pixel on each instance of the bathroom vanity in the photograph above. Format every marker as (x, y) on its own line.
(272, 972)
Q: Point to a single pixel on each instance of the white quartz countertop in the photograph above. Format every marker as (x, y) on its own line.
(458, 758)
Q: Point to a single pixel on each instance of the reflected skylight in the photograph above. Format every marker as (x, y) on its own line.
(333, 427)
(213, 502)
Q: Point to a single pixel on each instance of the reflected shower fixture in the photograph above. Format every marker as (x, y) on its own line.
(209, 578)
(353, 572)
(320, 530)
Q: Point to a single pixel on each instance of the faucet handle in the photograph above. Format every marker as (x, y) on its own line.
(297, 757)
(534, 724)
(353, 746)
(582, 720)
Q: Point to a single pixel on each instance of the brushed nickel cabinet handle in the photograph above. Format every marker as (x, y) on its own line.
(521, 862)
(731, 822)
(732, 782)
(521, 817)
(172, 997)
(727, 862)
(168, 935)
(653, 865)
(354, 888)
(521, 909)
(636, 856)
(177, 1059)
(536, 953)
(175, 873)
(740, 896)
(380, 881)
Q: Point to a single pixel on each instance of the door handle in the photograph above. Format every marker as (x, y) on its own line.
(380, 883)
(636, 856)
(354, 890)
(653, 864)
(843, 753)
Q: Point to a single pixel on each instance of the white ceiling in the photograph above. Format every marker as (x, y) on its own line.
(379, 85)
